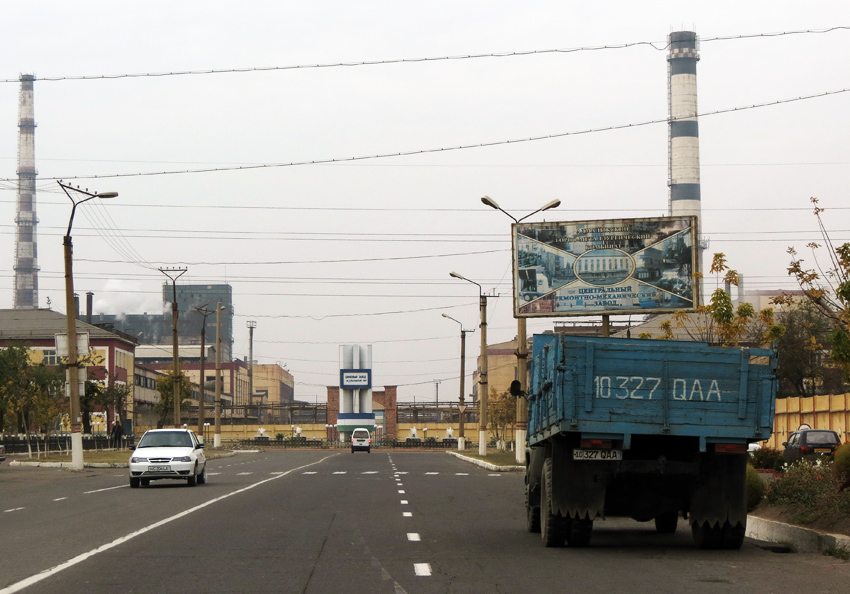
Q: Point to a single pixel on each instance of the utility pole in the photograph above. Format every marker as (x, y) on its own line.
(217, 437)
(202, 400)
(173, 274)
(522, 398)
(251, 325)
(483, 396)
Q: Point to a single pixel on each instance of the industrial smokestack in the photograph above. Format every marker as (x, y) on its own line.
(683, 130)
(89, 303)
(26, 252)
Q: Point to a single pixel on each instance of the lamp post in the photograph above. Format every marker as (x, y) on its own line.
(461, 439)
(482, 372)
(71, 319)
(521, 350)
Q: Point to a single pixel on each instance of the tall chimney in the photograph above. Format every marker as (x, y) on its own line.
(683, 129)
(26, 253)
(89, 303)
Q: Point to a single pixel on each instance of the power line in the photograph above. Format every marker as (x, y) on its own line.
(656, 45)
(443, 149)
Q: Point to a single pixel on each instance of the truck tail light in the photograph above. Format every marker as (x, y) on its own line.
(730, 448)
(596, 444)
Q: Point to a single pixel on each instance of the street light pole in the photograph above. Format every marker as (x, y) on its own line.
(461, 438)
(482, 372)
(202, 400)
(521, 433)
(71, 325)
(177, 272)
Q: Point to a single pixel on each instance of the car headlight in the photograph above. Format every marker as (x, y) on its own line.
(181, 459)
(135, 460)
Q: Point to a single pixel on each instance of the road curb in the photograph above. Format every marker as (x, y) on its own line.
(803, 540)
(487, 465)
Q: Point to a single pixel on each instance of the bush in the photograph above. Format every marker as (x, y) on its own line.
(841, 464)
(765, 458)
(755, 488)
(279, 437)
(805, 482)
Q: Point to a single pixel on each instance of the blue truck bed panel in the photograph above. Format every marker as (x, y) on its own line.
(616, 388)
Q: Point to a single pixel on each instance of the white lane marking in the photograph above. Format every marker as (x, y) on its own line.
(401, 491)
(311, 472)
(422, 569)
(461, 474)
(413, 537)
(275, 473)
(12, 510)
(404, 501)
(60, 499)
(403, 514)
(341, 472)
(34, 579)
(106, 489)
(401, 473)
(243, 473)
(427, 473)
(370, 472)
(495, 474)
(213, 473)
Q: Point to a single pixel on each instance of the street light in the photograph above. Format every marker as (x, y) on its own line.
(71, 319)
(482, 373)
(461, 440)
(521, 433)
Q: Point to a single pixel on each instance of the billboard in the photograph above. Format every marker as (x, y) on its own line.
(613, 266)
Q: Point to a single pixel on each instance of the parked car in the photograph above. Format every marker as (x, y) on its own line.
(805, 442)
(361, 439)
(2, 452)
(168, 454)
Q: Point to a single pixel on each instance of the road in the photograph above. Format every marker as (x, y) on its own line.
(325, 522)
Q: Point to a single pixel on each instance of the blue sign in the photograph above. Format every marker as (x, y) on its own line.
(355, 379)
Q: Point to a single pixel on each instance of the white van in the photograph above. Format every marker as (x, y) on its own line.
(361, 439)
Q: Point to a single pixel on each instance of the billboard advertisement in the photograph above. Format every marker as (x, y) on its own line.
(613, 266)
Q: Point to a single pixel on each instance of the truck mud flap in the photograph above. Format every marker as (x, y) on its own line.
(719, 494)
(578, 489)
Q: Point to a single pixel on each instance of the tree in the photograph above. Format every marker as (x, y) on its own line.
(827, 288)
(165, 386)
(804, 369)
(501, 408)
(720, 322)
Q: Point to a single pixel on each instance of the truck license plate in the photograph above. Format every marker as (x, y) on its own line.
(597, 454)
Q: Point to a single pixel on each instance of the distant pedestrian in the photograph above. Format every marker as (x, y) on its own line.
(117, 433)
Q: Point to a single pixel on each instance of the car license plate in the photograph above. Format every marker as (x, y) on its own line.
(822, 450)
(597, 454)
(159, 468)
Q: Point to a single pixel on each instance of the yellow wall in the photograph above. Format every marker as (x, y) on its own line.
(819, 412)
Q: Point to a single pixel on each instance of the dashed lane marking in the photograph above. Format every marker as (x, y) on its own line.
(371, 472)
(106, 489)
(243, 473)
(60, 499)
(341, 472)
(404, 501)
(213, 473)
(422, 569)
(413, 537)
(14, 509)
(407, 514)
(401, 491)
(428, 473)
(311, 472)
(461, 474)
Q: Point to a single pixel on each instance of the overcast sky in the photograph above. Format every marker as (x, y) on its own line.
(360, 251)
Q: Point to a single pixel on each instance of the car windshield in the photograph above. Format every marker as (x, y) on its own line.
(821, 437)
(166, 439)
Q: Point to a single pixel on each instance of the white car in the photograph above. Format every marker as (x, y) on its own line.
(361, 439)
(168, 454)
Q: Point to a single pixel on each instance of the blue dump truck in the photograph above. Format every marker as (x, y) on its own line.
(647, 429)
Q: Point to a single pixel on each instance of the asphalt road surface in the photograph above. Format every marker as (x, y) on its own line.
(329, 522)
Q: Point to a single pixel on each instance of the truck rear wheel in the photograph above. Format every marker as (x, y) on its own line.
(579, 532)
(666, 523)
(707, 536)
(553, 527)
(532, 513)
(732, 537)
